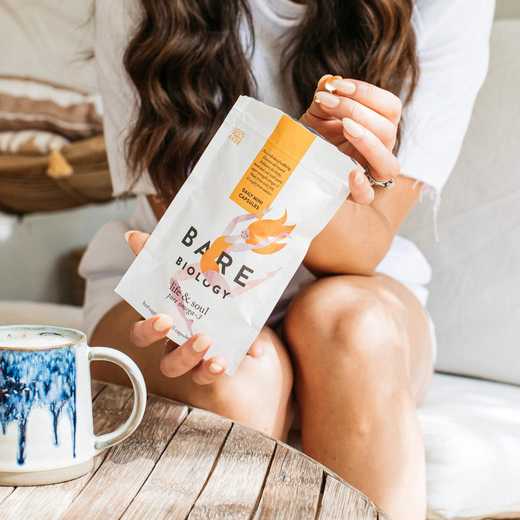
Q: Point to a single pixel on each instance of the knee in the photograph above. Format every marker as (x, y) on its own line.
(334, 319)
(258, 394)
(273, 365)
(265, 376)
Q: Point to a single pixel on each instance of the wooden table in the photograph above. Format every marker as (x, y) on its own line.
(187, 463)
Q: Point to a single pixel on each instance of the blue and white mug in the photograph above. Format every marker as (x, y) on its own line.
(46, 426)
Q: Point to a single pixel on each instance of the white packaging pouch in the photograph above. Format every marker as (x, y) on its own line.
(237, 230)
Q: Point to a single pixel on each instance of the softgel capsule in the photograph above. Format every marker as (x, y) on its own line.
(237, 230)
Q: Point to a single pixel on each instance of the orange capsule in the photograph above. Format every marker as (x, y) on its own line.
(329, 87)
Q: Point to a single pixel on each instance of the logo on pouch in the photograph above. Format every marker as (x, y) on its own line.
(236, 135)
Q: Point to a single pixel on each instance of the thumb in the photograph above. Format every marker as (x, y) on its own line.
(136, 240)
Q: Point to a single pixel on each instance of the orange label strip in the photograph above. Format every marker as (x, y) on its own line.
(272, 166)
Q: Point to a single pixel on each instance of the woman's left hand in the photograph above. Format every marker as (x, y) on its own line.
(362, 121)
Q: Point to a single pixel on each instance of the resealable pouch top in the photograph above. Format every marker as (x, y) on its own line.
(238, 229)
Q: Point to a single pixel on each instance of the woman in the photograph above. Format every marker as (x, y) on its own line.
(355, 337)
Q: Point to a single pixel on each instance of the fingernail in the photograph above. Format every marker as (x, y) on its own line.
(128, 234)
(202, 343)
(359, 178)
(162, 323)
(352, 128)
(326, 99)
(215, 368)
(344, 86)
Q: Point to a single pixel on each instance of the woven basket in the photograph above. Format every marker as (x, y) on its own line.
(26, 187)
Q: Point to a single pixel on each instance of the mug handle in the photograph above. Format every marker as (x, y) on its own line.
(107, 440)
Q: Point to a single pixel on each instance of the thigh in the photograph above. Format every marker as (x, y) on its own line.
(272, 368)
(414, 322)
(345, 299)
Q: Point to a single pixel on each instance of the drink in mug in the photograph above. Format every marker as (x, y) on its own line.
(46, 426)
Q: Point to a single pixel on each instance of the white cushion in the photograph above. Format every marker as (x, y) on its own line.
(474, 298)
(34, 313)
(472, 435)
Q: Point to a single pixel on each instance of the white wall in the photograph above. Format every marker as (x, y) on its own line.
(31, 258)
(48, 39)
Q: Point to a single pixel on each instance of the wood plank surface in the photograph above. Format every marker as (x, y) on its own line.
(183, 469)
(292, 489)
(189, 464)
(342, 501)
(96, 387)
(127, 466)
(111, 407)
(5, 492)
(235, 485)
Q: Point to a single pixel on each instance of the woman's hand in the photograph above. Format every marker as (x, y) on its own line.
(362, 121)
(182, 359)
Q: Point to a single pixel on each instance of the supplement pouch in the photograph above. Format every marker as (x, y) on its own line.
(238, 229)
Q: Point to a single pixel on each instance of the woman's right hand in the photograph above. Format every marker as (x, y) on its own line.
(178, 360)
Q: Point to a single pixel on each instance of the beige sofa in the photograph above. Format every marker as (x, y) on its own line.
(471, 426)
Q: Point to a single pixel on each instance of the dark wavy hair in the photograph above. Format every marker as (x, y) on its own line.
(188, 65)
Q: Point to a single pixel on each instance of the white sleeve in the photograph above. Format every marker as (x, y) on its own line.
(102, 266)
(115, 23)
(106, 260)
(453, 49)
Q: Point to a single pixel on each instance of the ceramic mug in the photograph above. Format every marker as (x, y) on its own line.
(46, 426)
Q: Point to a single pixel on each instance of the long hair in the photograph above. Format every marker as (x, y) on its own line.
(188, 63)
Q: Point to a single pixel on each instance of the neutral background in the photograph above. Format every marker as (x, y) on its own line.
(32, 249)
(508, 8)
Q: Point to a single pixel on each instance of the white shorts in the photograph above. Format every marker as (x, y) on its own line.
(108, 257)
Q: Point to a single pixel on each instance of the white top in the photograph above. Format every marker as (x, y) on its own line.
(453, 49)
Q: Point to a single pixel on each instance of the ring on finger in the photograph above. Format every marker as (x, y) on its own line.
(386, 185)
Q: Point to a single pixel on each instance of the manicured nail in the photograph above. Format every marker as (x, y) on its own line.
(162, 323)
(326, 99)
(128, 234)
(359, 178)
(202, 343)
(215, 368)
(344, 86)
(352, 128)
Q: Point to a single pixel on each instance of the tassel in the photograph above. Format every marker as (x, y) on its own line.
(58, 167)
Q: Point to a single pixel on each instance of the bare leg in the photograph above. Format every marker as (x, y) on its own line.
(363, 360)
(258, 395)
